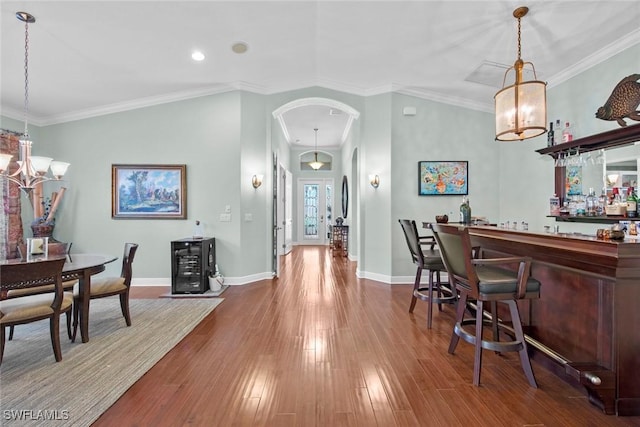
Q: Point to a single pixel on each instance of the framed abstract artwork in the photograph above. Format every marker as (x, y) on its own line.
(443, 178)
(149, 191)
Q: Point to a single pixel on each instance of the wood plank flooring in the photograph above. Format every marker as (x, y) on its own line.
(319, 347)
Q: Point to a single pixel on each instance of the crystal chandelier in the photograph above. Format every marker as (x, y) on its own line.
(315, 164)
(31, 170)
(521, 109)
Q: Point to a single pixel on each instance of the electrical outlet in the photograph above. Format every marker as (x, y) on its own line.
(248, 217)
(225, 217)
(227, 209)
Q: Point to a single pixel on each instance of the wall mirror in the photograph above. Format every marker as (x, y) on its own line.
(622, 167)
(345, 196)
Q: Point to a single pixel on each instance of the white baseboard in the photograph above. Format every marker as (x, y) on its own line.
(166, 281)
(398, 280)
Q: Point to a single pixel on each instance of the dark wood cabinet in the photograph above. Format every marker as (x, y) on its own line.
(192, 261)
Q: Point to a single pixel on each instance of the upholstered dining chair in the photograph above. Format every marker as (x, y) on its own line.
(110, 286)
(31, 308)
(486, 280)
(67, 286)
(426, 257)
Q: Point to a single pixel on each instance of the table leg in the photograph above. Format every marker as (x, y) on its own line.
(85, 293)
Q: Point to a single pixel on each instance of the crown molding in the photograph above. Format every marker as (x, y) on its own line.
(596, 58)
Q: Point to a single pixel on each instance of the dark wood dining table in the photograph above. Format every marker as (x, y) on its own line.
(79, 266)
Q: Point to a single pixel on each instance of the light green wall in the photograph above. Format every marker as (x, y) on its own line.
(203, 133)
(375, 218)
(438, 132)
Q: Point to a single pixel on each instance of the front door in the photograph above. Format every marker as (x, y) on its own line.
(314, 211)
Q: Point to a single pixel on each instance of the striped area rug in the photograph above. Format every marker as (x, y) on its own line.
(35, 390)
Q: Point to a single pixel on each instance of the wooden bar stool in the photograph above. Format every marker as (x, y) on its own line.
(485, 281)
(426, 259)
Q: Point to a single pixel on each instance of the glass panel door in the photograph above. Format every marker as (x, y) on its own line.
(316, 199)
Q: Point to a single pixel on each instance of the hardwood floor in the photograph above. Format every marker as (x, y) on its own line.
(318, 347)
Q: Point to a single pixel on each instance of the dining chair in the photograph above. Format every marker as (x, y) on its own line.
(67, 286)
(110, 286)
(426, 257)
(31, 308)
(489, 280)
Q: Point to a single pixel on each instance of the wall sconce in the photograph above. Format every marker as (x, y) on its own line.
(374, 180)
(256, 181)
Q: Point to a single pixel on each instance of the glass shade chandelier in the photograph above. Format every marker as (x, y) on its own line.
(31, 170)
(315, 164)
(521, 109)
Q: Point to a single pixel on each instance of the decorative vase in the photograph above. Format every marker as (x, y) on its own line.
(43, 229)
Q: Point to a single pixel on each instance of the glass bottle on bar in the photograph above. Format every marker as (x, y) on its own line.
(465, 211)
(550, 140)
(592, 203)
(567, 133)
(557, 133)
(632, 203)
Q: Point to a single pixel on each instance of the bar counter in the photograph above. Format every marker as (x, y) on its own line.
(586, 325)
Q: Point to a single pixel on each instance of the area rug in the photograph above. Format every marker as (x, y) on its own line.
(35, 390)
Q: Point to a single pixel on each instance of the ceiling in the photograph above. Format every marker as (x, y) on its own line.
(95, 57)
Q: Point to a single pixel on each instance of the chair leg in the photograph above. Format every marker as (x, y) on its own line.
(124, 307)
(416, 286)
(439, 286)
(524, 356)
(1, 343)
(76, 317)
(494, 322)
(55, 336)
(462, 306)
(430, 308)
(10, 332)
(477, 360)
(69, 333)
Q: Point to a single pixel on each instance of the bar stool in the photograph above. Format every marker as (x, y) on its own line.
(426, 259)
(484, 281)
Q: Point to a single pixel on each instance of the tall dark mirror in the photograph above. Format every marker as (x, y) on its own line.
(345, 196)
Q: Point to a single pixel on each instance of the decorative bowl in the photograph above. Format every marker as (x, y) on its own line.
(442, 219)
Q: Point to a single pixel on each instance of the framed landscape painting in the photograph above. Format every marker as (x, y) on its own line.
(437, 178)
(149, 191)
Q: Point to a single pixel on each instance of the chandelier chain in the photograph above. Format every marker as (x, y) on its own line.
(519, 39)
(26, 77)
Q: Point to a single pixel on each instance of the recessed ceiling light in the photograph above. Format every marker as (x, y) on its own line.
(197, 55)
(239, 47)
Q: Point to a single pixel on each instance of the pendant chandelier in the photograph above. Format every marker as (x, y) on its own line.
(31, 170)
(521, 109)
(315, 164)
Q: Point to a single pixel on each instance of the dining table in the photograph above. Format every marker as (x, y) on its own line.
(80, 266)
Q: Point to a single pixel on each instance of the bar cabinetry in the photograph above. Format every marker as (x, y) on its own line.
(191, 262)
(585, 325)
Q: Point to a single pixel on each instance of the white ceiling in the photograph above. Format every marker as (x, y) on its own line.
(94, 57)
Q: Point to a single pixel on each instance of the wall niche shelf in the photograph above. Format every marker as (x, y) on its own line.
(609, 139)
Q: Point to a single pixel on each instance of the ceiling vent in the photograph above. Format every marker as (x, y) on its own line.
(492, 74)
